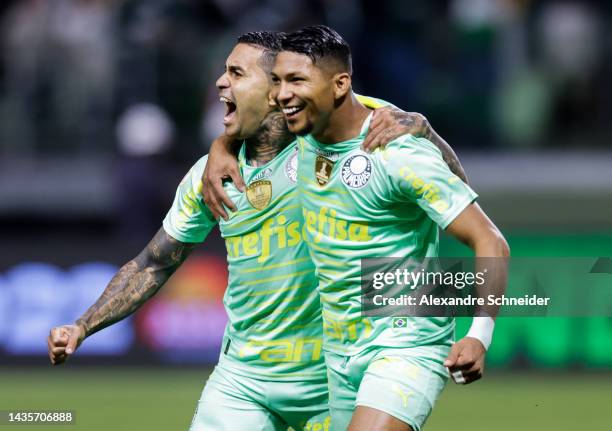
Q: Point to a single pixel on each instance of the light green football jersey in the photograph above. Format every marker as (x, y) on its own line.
(274, 325)
(386, 204)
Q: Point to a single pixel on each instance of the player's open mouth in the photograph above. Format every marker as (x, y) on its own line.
(230, 109)
(292, 111)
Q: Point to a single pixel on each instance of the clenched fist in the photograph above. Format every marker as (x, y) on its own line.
(63, 342)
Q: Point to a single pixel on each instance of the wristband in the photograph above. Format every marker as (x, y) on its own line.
(458, 377)
(482, 329)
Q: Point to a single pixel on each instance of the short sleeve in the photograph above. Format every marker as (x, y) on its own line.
(419, 174)
(189, 220)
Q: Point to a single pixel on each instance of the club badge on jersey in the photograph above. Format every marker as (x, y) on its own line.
(292, 166)
(259, 190)
(356, 171)
(323, 170)
(259, 193)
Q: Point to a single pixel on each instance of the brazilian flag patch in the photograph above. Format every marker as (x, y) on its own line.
(400, 323)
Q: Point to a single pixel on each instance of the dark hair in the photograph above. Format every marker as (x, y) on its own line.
(270, 41)
(319, 42)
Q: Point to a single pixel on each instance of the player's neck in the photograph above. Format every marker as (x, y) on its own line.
(345, 121)
(271, 138)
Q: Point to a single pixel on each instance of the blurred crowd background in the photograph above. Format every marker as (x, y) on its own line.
(104, 105)
(78, 75)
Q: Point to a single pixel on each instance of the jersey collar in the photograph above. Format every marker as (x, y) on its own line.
(242, 157)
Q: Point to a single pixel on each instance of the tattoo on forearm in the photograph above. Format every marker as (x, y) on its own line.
(271, 138)
(136, 282)
(419, 122)
(448, 155)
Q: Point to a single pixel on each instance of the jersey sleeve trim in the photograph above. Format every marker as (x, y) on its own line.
(458, 209)
(189, 220)
(192, 239)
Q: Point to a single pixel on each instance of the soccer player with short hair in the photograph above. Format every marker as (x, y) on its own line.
(271, 372)
(358, 205)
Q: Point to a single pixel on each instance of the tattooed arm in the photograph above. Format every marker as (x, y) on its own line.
(136, 282)
(389, 123)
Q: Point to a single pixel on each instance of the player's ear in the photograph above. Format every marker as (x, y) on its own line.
(272, 97)
(342, 84)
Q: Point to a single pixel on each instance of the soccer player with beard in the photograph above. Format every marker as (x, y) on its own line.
(271, 372)
(358, 205)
